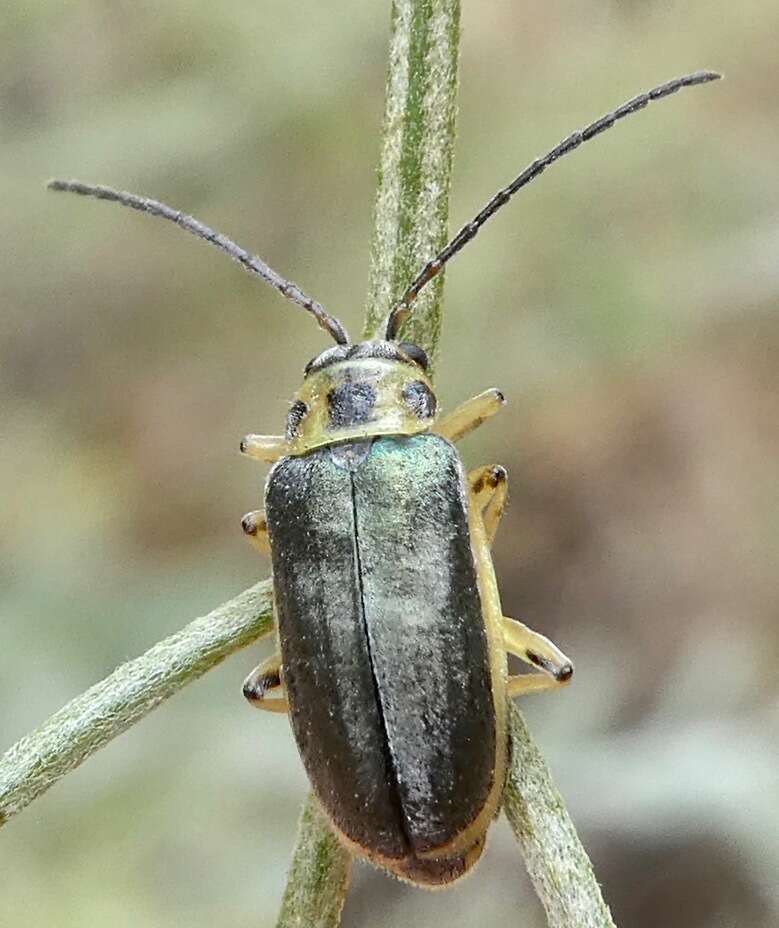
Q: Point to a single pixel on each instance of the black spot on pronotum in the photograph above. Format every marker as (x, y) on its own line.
(351, 404)
(297, 413)
(249, 525)
(416, 354)
(420, 399)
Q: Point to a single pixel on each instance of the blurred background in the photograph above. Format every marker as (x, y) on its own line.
(628, 306)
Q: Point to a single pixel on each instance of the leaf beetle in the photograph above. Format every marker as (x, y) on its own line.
(392, 657)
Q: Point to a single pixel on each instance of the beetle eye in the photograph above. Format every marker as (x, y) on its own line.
(417, 354)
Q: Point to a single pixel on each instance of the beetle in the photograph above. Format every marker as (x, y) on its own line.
(392, 644)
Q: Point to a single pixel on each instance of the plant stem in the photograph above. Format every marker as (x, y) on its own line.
(415, 166)
(319, 875)
(107, 709)
(555, 859)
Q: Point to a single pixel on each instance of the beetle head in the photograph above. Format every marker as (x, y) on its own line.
(352, 392)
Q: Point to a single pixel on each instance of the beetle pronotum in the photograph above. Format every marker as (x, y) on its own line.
(392, 660)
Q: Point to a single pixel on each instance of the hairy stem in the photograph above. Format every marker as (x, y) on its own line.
(555, 859)
(415, 166)
(318, 877)
(108, 708)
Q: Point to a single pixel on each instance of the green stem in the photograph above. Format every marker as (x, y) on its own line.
(555, 859)
(415, 166)
(107, 709)
(318, 877)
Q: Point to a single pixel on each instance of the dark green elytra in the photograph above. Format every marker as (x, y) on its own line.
(384, 649)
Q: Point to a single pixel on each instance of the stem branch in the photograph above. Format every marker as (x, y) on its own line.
(108, 708)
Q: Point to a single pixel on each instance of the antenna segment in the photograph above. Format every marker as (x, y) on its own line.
(248, 261)
(403, 308)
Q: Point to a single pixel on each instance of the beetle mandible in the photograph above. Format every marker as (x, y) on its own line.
(392, 659)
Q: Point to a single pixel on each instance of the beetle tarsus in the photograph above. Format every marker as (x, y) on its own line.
(255, 527)
(248, 525)
(264, 682)
(540, 652)
(255, 689)
(489, 490)
(565, 673)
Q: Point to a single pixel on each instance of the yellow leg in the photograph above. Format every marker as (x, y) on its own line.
(267, 448)
(470, 414)
(255, 527)
(264, 680)
(526, 683)
(489, 489)
(539, 651)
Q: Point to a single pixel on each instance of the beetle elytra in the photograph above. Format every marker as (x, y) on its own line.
(392, 658)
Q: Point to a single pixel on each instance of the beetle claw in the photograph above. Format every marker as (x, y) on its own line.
(565, 673)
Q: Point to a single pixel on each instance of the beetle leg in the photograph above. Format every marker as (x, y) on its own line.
(539, 651)
(255, 527)
(470, 414)
(264, 680)
(489, 488)
(267, 448)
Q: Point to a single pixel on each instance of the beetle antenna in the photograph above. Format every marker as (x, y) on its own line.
(403, 308)
(249, 262)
